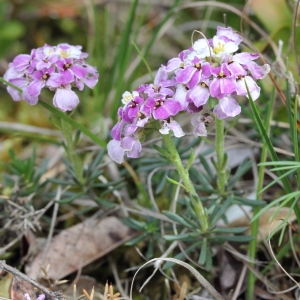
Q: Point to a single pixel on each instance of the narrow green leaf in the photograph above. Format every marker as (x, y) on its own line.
(230, 230)
(162, 151)
(136, 240)
(130, 222)
(202, 257)
(219, 211)
(177, 218)
(287, 197)
(191, 159)
(175, 182)
(233, 238)
(208, 262)
(272, 153)
(206, 166)
(178, 237)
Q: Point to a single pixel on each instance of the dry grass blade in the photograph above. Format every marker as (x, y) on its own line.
(198, 276)
(274, 257)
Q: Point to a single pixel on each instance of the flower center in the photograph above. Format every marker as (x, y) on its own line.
(198, 66)
(158, 104)
(45, 76)
(219, 48)
(221, 75)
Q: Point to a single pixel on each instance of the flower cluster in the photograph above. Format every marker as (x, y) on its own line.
(57, 68)
(210, 68)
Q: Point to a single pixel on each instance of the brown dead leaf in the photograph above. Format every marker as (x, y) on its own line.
(19, 287)
(80, 245)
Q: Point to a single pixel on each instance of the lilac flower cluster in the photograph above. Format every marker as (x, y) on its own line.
(57, 68)
(210, 68)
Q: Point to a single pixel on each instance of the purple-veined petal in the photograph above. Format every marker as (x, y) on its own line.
(244, 57)
(130, 129)
(21, 62)
(174, 107)
(115, 151)
(116, 131)
(31, 100)
(199, 128)
(198, 95)
(181, 96)
(136, 150)
(127, 142)
(55, 80)
(173, 64)
(194, 80)
(79, 71)
(65, 99)
(219, 112)
(229, 107)
(228, 32)
(254, 89)
(176, 128)
(161, 76)
(21, 83)
(185, 75)
(227, 85)
(67, 76)
(161, 113)
(35, 87)
(258, 72)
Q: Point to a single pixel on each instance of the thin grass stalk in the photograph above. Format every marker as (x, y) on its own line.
(286, 184)
(156, 33)
(121, 61)
(75, 124)
(255, 224)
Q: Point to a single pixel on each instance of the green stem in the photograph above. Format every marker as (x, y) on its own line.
(184, 174)
(66, 129)
(260, 183)
(221, 163)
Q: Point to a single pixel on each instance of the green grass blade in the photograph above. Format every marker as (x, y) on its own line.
(75, 124)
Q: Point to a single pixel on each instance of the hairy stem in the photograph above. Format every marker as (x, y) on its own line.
(221, 163)
(184, 174)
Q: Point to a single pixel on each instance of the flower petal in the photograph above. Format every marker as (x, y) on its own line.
(115, 151)
(65, 99)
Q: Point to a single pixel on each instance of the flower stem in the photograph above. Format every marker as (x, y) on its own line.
(184, 174)
(66, 129)
(221, 161)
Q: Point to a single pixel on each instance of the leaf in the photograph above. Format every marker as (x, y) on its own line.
(162, 151)
(202, 257)
(177, 218)
(230, 230)
(219, 211)
(233, 238)
(206, 166)
(183, 236)
(175, 182)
